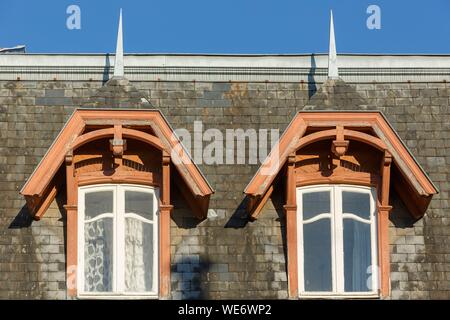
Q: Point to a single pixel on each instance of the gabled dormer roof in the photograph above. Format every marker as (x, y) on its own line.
(36, 189)
(413, 185)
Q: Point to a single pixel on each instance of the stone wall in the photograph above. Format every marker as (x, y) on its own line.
(225, 256)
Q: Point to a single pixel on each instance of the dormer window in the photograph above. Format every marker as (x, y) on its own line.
(116, 168)
(336, 170)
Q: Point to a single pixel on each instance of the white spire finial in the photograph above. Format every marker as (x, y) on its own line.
(118, 63)
(333, 72)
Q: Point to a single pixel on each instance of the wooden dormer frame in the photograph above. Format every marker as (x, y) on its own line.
(412, 184)
(89, 125)
(42, 182)
(384, 138)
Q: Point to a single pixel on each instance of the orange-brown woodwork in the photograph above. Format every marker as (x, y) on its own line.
(165, 210)
(116, 146)
(256, 204)
(275, 161)
(348, 134)
(383, 224)
(340, 145)
(317, 164)
(342, 148)
(103, 133)
(291, 227)
(41, 178)
(405, 190)
(148, 126)
(369, 128)
(72, 227)
(405, 162)
(39, 208)
(95, 163)
(197, 205)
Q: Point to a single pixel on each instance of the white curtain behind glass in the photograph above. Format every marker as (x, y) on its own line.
(357, 257)
(98, 254)
(139, 210)
(98, 241)
(138, 255)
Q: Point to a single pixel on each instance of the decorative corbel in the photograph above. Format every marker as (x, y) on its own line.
(118, 145)
(386, 178)
(69, 158)
(339, 146)
(70, 179)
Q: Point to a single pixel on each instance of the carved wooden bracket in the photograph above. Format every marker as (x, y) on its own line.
(384, 209)
(386, 178)
(387, 160)
(290, 181)
(291, 158)
(290, 208)
(118, 145)
(165, 158)
(69, 207)
(339, 146)
(69, 158)
(165, 208)
(165, 196)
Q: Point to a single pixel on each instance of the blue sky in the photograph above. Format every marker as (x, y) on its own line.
(227, 26)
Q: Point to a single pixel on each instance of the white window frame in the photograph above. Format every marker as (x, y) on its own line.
(118, 291)
(337, 247)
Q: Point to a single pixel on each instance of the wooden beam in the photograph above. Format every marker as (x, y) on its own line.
(164, 223)
(339, 146)
(47, 201)
(257, 207)
(383, 225)
(72, 227)
(291, 227)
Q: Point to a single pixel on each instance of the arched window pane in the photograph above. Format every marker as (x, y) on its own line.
(357, 256)
(96, 203)
(315, 203)
(356, 203)
(317, 255)
(140, 203)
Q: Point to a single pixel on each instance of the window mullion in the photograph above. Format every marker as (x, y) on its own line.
(339, 234)
(120, 241)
